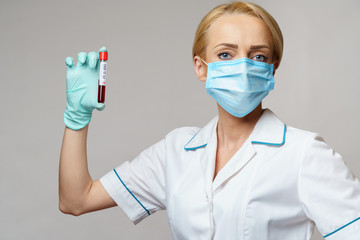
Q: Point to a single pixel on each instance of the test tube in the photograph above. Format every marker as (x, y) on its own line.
(103, 57)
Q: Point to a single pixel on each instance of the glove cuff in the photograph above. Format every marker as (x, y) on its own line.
(76, 122)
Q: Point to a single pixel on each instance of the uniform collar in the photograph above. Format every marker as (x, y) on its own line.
(203, 136)
(269, 130)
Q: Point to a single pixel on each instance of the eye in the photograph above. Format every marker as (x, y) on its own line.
(224, 56)
(260, 58)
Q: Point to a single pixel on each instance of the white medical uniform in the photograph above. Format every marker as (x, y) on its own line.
(279, 184)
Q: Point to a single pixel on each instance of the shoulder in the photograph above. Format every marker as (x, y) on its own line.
(181, 135)
(271, 131)
(312, 148)
(191, 138)
(299, 135)
(305, 140)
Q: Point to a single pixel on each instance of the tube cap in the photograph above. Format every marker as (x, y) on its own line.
(103, 56)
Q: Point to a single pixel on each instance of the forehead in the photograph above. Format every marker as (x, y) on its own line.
(239, 29)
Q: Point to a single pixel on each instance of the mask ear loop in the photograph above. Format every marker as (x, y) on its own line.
(203, 61)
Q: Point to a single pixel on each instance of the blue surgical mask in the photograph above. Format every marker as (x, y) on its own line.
(239, 85)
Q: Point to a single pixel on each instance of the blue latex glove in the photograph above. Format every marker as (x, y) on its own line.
(82, 89)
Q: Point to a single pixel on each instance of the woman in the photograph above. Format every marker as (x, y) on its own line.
(245, 175)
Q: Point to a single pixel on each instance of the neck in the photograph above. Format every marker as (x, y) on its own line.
(232, 131)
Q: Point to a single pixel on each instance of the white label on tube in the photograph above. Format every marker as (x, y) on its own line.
(102, 76)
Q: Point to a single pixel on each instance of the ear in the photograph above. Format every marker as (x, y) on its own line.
(200, 69)
(276, 65)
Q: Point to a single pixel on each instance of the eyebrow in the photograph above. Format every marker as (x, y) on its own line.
(254, 47)
(235, 46)
(230, 45)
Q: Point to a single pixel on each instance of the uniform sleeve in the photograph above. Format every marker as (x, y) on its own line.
(138, 187)
(329, 192)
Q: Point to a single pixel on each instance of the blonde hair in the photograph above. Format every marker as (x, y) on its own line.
(248, 8)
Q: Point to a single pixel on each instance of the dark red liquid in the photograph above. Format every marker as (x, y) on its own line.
(101, 94)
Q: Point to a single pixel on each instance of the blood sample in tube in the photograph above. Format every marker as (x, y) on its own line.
(103, 57)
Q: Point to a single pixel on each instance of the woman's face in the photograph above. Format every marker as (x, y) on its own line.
(236, 36)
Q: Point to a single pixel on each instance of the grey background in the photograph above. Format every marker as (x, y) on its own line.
(151, 89)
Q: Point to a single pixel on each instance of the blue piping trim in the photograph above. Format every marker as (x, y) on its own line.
(273, 144)
(193, 148)
(131, 192)
(196, 147)
(342, 227)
